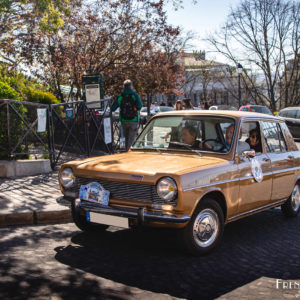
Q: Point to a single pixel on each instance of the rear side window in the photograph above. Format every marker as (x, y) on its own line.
(273, 137)
(282, 113)
(298, 114)
(245, 109)
(265, 110)
(283, 144)
(261, 109)
(291, 113)
(288, 137)
(256, 109)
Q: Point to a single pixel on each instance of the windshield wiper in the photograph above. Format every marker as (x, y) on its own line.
(186, 146)
(142, 148)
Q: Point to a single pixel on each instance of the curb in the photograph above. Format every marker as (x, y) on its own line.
(36, 218)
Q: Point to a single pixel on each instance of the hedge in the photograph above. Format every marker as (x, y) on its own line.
(16, 124)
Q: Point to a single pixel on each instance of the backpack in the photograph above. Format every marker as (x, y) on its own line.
(128, 109)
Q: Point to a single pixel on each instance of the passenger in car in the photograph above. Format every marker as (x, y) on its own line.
(254, 140)
(241, 146)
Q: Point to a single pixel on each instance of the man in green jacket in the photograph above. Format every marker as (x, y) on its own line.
(130, 105)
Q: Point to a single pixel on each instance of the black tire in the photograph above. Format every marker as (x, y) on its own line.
(207, 210)
(291, 207)
(81, 222)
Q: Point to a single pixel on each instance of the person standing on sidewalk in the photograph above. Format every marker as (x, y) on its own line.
(130, 104)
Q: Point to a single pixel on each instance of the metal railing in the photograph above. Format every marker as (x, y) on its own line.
(84, 132)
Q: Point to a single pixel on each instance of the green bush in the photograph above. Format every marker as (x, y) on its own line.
(17, 80)
(16, 124)
(38, 96)
(7, 92)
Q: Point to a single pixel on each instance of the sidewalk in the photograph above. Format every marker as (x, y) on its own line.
(31, 200)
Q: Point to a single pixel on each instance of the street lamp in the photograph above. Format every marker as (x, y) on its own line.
(239, 71)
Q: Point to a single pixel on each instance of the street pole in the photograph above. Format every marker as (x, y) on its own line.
(239, 70)
(239, 90)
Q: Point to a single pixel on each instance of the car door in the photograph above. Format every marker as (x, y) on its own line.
(291, 121)
(297, 124)
(254, 192)
(282, 160)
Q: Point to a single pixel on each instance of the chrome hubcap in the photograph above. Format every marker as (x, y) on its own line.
(295, 200)
(206, 227)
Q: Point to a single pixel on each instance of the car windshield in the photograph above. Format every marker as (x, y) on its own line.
(186, 133)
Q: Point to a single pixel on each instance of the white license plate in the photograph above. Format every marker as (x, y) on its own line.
(107, 219)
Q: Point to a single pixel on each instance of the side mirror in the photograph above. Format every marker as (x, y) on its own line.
(248, 154)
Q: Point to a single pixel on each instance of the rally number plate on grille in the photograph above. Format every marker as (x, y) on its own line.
(94, 192)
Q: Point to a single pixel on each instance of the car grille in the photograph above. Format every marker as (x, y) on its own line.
(123, 190)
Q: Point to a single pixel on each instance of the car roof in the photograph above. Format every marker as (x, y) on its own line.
(253, 105)
(225, 113)
(290, 108)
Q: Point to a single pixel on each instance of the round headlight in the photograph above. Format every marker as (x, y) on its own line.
(67, 177)
(167, 189)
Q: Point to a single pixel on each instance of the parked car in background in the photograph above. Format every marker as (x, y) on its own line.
(153, 111)
(222, 107)
(143, 115)
(106, 113)
(291, 115)
(192, 171)
(256, 108)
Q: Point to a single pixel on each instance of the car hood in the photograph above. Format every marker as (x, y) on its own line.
(135, 165)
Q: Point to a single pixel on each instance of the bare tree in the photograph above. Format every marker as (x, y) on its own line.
(263, 36)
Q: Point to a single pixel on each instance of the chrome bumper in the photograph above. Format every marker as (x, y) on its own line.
(141, 214)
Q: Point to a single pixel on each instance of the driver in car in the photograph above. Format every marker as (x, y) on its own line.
(189, 137)
(229, 135)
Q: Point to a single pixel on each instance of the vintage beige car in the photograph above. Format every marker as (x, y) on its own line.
(193, 171)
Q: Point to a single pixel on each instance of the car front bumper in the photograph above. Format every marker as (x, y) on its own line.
(141, 214)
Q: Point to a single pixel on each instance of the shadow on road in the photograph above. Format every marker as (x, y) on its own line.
(264, 245)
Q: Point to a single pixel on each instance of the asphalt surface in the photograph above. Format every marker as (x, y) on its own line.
(61, 262)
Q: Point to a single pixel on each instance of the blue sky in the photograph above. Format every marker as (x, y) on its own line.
(203, 17)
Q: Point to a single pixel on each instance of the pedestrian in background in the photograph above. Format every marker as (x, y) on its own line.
(130, 104)
(187, 103)
(178, 105)
(175, 131)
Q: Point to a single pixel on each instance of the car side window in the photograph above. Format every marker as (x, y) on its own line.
(291, 113)
(250, 136)
(283, 144)
(298, 114)
(273, 137)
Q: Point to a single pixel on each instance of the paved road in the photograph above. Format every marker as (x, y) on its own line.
(60, 262)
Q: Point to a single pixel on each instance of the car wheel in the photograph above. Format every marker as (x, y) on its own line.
(81, 222)
(204, 231)
(292, 206)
